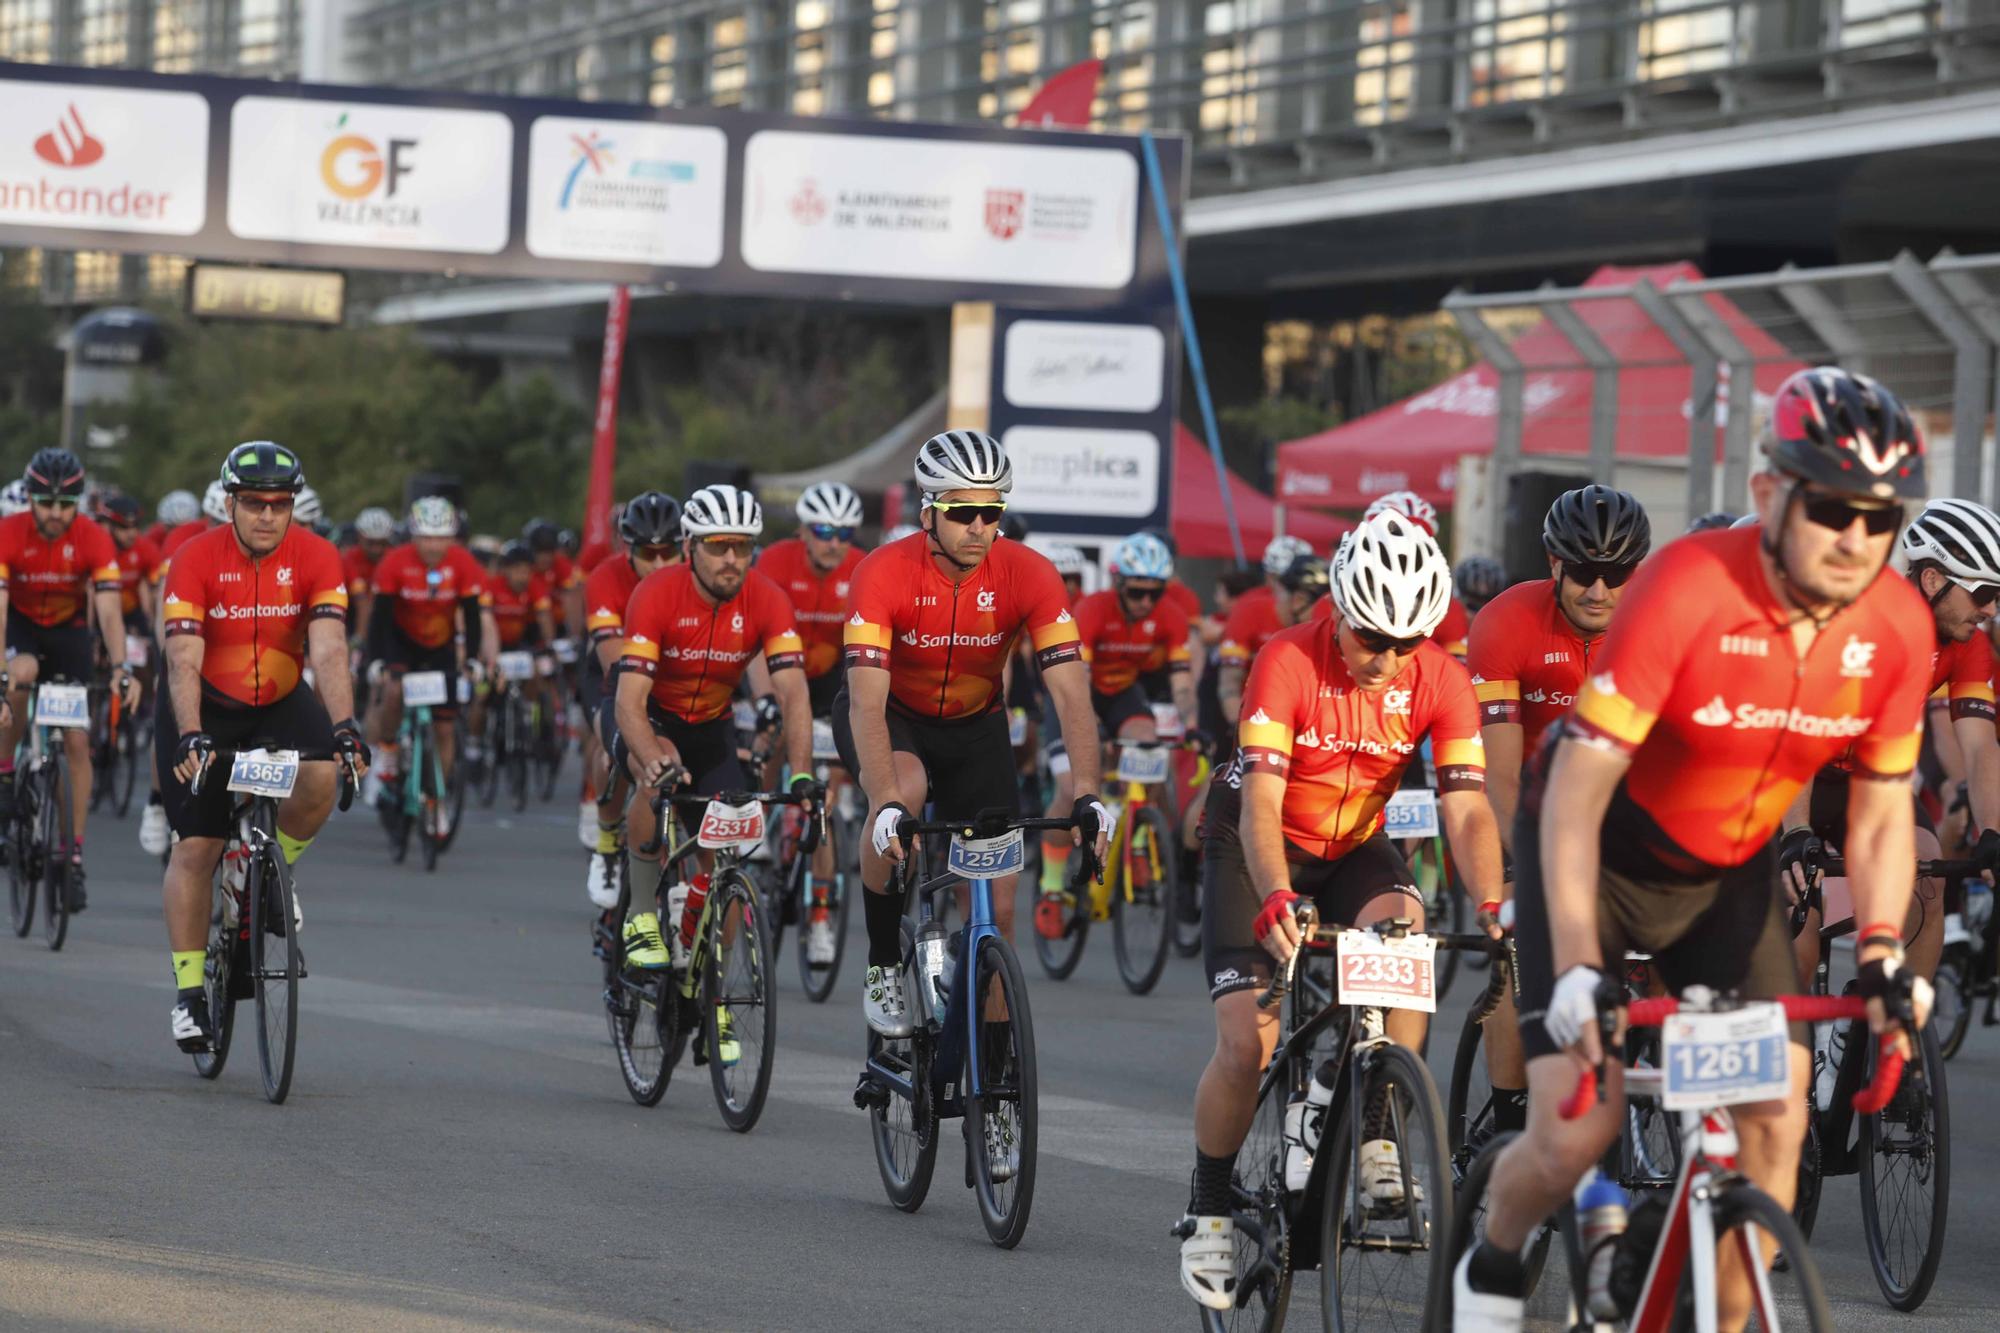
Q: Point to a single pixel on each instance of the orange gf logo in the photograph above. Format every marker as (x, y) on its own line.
(352, 166)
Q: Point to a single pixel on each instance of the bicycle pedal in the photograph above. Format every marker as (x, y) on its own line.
(870, 1093)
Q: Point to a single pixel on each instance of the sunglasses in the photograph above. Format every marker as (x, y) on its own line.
(1377, 644)
(1838, 513)
(264, 504)
(1141, 594)
(724, 545)
(655, 553)
(1588, 572)
(966, 515)
(53, 502)
(1983, 595)
(827, 532)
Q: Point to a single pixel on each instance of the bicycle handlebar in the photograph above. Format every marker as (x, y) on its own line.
(995, 823)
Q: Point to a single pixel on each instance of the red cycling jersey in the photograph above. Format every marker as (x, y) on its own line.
(514, 610)
(1253, 619)
(695, 651)
(252, 614)
(819, 601)
(1963, 674)
(156, 532)
(182, 535)
(1119, 650)
(138, 563)
(606, 593)
(1180, 595)
(359, 569)
(427, 596)
(1699, 681)
(48, 581)
(595, 554)
(1527, 660)
(1342, 749)
(561, 575)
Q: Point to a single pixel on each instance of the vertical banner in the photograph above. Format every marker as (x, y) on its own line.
(604, 448)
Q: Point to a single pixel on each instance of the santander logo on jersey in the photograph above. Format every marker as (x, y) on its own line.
(1749, 717)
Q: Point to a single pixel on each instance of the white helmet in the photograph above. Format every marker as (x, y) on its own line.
(178, 507)
(831, 502)
(963, 460)
(1410, 505)
(721, 511)
(1278, 556)
(214, 502)
(305, 506)
(375, 523)
(14, 499)
(434, 516)
(1749, 520)
(1961, 537)
(1068, 560)
(897, 533)
(1389, 577)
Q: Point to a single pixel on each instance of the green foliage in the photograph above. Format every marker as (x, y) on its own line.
(1250, 432)
(31, 371)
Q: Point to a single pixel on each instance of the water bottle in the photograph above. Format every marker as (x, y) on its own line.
(677, 896)
(934, 967)
(1305, 1122)
(697, 898)
(1600, 1216)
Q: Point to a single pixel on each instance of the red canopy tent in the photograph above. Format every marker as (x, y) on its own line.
(1200, 525)
(1416, 444)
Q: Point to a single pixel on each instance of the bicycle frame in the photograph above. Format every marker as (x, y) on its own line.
(959, 1035)
(418, 723)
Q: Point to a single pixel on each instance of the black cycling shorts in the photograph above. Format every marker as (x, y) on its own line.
(296, 722)
(405, 655)
(1115, 710)
(62, 650)
(707, 749)
(968, 765)
(823, 690)
(1828, 807)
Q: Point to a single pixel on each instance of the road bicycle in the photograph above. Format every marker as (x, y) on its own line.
(972, 1053)
(253, 939)
(1969, 972)
(1411, 813)
(799, 898)
(121, 741)
(425, 800)
(521, 746)
(38, 839)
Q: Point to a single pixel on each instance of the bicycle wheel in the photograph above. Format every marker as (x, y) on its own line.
(217, 974)
(1549, 1286)
(548, 753)
(647, 1031)
(1788, 1295)
(451, 786)
(904, 1130)
(54, 836)
(1000, 1121)
(130, 754)
(23, 875)
(1444, 905)
(1468, 1112)
(739, 1002)
(1952, 1017)
(486, 784)
(1059, 957)
(1382, 1250)
(1142, 914)
(817, 979)
(1263, 1282)
(274, 963)
(1906, 1180)
(101, 741)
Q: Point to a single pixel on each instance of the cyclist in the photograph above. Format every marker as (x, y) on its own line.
(1739, 663)
(1720, 518)
(690, 630)
(138, 562)
(523, 619)
(1530, 653)
(176, 508)
(214, 513)
(1452, 630)
(1332, 714)
(933, 620)
(1127, 630)
(57, 567)
(1478, 580)
(374, 529)
(422, 589)
(816, 569)
(557, 570)
(14, 498)
(1253, 619)
(247, 607)
(649, 529)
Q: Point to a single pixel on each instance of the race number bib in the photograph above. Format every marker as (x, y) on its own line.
(62, 706)
(1726, 1059)
(423, 689)
(731, 825)
(745, 715)
(987, 858)
(1143, 764)
(1411, 813)
(517, 665)
(137, 651)
(565, 650)
(1167, 722)
(1387, 973)
(823, 746)
(270, 773)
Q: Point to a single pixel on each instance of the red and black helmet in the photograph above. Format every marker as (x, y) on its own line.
(54, 474)
(1845, 432)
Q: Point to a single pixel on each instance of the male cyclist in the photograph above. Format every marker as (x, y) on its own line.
(214, 512)
(1333, 712)
(558, 571)
(524, 621)
(1253, 619)
(1478, 579)
(934, 618)
(246, 608)
(816, 568)
(176, 508)
(649, 531)
(1530, 654)
(374, 529)
(56, 566)
(1452, 630)
(1739, 663)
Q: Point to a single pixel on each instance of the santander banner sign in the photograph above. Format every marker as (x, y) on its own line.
(104, 159)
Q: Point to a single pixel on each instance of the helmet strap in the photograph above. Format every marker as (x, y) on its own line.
(937, 547)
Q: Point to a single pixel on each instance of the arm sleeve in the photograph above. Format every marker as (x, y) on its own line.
(475, 631)
(325, 592)
(1237, 631)
(186, 600)
(380, 620)
(1890, 746)
(641, 649)
(604, 615)
(1174, 632)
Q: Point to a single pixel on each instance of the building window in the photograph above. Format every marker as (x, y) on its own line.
(1384, 76)
(1519, 51)
(95, 275)
(660, 81)
(176, 35)
(259, 32)
(27, 30)
(166, 275)
(1228, 83)
(809, 57)
(102, 26)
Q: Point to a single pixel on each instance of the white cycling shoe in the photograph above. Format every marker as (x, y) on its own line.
(884, 1003)
(601, 882)
(1382, 1173)
(1481, 1311)
(1208, 1263)
(153, 830)
(586, 824)
(819, 942)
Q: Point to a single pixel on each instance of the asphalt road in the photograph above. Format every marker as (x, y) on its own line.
(459, 1151)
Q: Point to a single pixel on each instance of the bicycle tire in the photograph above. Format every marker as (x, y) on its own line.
(276, 970)
(129, 751)
(1003, 1205)
(1739, 1203)
(55, 835)
(1059, 957)
(101, 741)
(1905, 1276)
(1548, 1302)
(1263, 1282)
(1406, 1280)
(818, 981)
(22, 880)
(1142, 949)
(646, 1032)
(1468, 1100)
(1953, 1014)
(906, 1123)
(548, 754)
(217, 970)
(451, 791)
(751, 1001)
(487, 785)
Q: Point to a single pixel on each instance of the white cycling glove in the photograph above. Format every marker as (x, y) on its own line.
(1573, 1008)
(885, 826)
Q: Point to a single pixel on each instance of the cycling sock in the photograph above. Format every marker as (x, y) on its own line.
(607, 836)
(641, 870)
(187, 969)
(1510, 1109)
(884, 916)
(7, 767)
(1211, 1194)
(155, 799)
(293, 848)
(1495, 1271)
(1055, 862)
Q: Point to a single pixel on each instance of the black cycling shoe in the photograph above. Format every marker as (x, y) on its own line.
(194, 1032)
(74, 883)
(6, 803)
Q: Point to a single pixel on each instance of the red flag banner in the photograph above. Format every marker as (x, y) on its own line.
(1064, 101)
(604, 449)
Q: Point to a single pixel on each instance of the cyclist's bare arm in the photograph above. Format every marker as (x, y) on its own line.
(184, 657)
(1503, 778)
(110, 607)
(1581, 781)
(545, 620)
(868, 719)
(1182, 685)
(1474, 835)
(795, 705)
(635, 726)
(1262, 831)
(1229, 690)
(759, 674)
(1069, 687)
(326, 648)
(1979, 743)
(1881, 854)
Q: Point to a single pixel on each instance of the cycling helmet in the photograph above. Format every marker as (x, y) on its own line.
(1720, 518)
(54, 472)
(962, 460)
(306, 507)
(1847, 433)
(897, 533)
(1389, 577)
(1597, 525)
(215, 502)
(516, 553)
(1410, 505)
(1960, 537)
(1068, 560)
(1307, 574)
(178, 507)
(652, 518)
(541, 535)
(375, 524)
(1479, 578)
(568, 542)
(434, 516)
(830, 502)
(1747, 521)
(261, 465)
(721, 511)
(14, 499)
(120, 509)
(1278, 556)
(1013, 526)
(1142, 557)
(1166, 539)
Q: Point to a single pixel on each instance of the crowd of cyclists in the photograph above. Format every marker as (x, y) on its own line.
(1646, 751)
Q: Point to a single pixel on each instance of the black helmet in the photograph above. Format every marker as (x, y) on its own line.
(120, 509)
(652, 518)
(541, 535)
(516, 553)
(1013, 526)
(1306, 574)
(1595, 525)
(345, 535)
(262, 466)
(54, 474)
(1479, 579)
(1720, 518)
(1847, 433)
